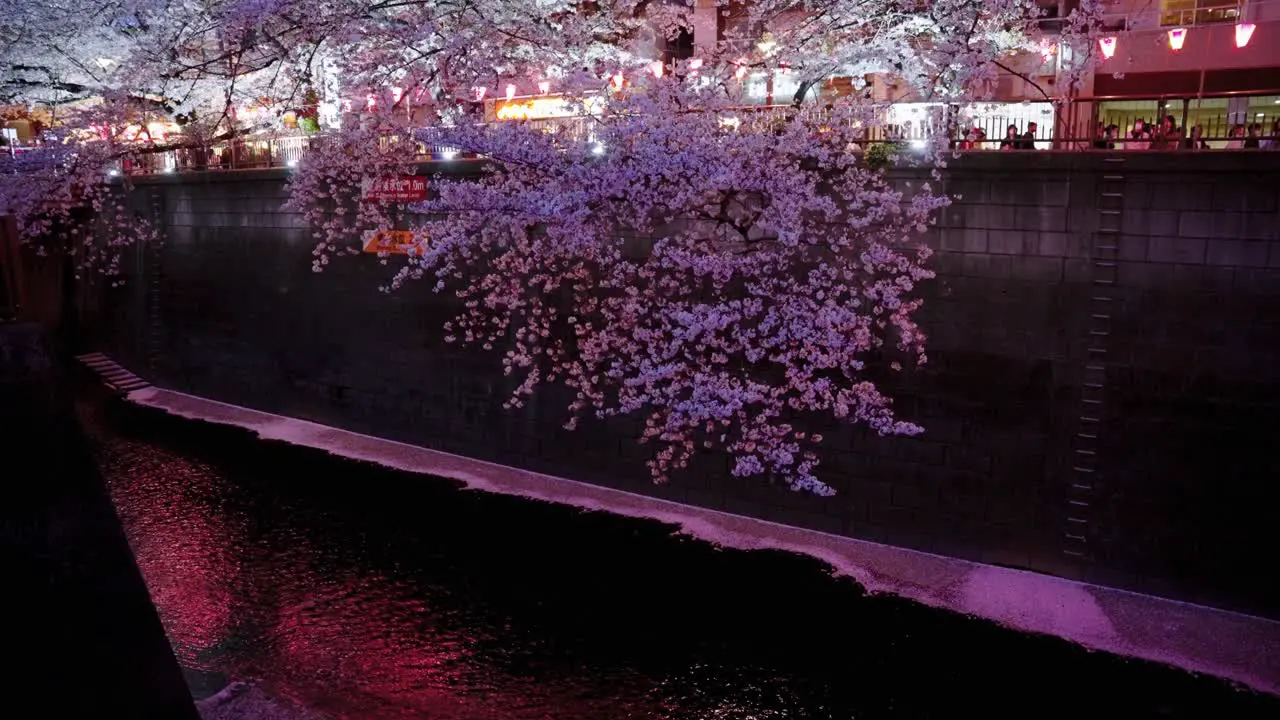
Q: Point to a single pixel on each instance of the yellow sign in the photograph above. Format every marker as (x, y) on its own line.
(395, 242)
(539, 108)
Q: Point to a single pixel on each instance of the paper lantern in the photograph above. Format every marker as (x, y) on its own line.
(511, 91)
(544, 87)
(1177, 36)
(478, 93)
(396, 94)
(1244, 31)
(656, 68)
(1108, 46)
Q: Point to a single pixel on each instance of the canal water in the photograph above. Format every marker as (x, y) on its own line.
(358, 592)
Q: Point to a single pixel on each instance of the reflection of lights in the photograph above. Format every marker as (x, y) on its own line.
(917, 144)
(113, 173)
(448, 154)
(597, 148)
(292, 163)
(1107, 45)
(1177, 36)
(1244, 31)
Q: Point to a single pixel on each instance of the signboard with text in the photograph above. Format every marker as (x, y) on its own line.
(394, 242)
(402, 188)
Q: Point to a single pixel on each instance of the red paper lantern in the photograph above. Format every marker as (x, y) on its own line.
(1244, 31)
(1107, 45)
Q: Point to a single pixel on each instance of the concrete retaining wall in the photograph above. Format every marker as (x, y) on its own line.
(1185, 391)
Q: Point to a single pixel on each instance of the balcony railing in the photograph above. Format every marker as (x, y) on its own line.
(256, 154)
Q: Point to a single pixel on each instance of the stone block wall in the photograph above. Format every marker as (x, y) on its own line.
(1183, 491)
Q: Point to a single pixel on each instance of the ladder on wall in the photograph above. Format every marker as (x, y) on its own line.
(1085, 474)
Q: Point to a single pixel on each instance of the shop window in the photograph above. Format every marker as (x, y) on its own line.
(1198, 12)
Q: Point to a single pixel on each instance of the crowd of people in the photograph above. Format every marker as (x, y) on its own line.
(1166, 135)
(1162, 135)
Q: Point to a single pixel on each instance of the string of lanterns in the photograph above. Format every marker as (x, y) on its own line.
(1177, 37)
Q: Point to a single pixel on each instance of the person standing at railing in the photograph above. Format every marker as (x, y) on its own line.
(1167, 136)
(1272, 141)
(1253, 140)
(1027, 141)
(1140, 137)
(1195, 141)
(1011, 138)
(1237, 138)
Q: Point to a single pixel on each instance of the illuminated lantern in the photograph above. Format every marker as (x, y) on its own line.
(1048, 50)
(741, 72)
(544, 87)
(616, 81)
(396, 94)
(1108, 46)
(656, 68)
(1177, 36)
(479, 93)
(370, 101)
(1244, 31)
(511, 91)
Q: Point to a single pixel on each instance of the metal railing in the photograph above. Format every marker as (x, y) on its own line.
(254, 154)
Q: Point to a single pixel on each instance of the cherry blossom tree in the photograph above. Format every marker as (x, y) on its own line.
(730, 275)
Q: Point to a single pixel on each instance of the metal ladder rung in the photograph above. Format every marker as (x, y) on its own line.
(1087, 436)
(1079, 538)
(1109, 212)
(1113, 177)
(1078, 486)
(1112, 195)
(1078, 503)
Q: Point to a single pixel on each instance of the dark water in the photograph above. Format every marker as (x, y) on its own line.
(365, 593)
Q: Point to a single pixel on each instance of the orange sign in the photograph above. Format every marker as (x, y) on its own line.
(394, 242)
(404, 188)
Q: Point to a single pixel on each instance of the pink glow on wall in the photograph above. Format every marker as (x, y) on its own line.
(1177, 36)
(1244, 32)
(1108, 46)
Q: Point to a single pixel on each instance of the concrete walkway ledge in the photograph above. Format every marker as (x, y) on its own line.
(1237, 647)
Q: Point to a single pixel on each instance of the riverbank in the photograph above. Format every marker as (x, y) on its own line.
(1237, 647)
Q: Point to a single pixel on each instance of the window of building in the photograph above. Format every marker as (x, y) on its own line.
(1199, 12)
